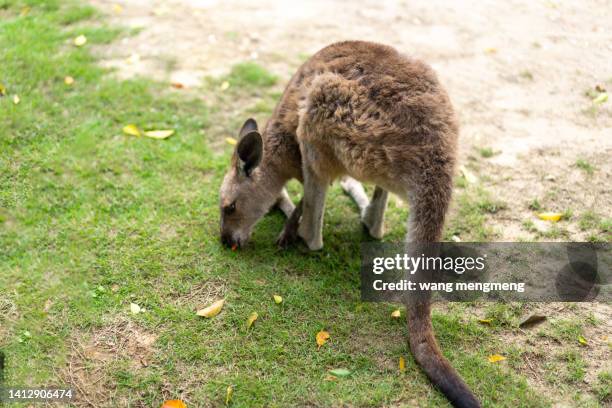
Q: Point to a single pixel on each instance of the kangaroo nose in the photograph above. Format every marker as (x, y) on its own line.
(228, 241)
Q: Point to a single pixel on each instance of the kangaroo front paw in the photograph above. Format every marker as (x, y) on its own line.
(287, 237)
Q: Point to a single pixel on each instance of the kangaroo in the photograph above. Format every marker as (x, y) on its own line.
(354, 111)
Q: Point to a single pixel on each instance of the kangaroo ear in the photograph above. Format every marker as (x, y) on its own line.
(249, 126)
(250, 151)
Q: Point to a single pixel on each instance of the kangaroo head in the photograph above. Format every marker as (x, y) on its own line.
(246, 193)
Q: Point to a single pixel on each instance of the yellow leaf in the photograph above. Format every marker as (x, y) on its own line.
(80, 40)
(134, 308)
(491, 50)
(485, 321)
(25, 11)
(133, 59)
(212, 310)
(224, 85)
(69, 80)
(228, 394)
(231, 141)
(396, 314)
(131, 130)
(495, 358)
(550, 216)
(402, 364)
(582, 340)
(159, 134)
(252, 319)
(469, 177)
(278, 299)
(601, 98)
(117, 8)
(174, 404)
(16, 99)
(322, 338)
(2, 90)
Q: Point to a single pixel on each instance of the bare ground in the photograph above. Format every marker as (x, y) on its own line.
(517, 72)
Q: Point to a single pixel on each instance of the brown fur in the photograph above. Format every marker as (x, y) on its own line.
(362, 110)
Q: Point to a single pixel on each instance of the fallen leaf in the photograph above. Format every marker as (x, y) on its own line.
(212, 310)
(80, 40)
(228, 394)
(396, 314)
(532, 321)
(469, 177)
(495, 358)
(601, 98)
(132, 130)
(159, 134)
(322, 338)
(231, 140)
(485, 321)
(134, 308)
(25, 11)
(402, 364)
(490, 50)
(2, 90)
(340, 372)
(69, 80)
(224, 85)
(252, 319)
(278, 299)
(117, 8)
(177, 85)
(133, 59)
(174, 404)
(550, 216)
(582, 341)
(16, 99)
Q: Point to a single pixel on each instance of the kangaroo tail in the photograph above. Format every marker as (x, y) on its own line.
(427, 354)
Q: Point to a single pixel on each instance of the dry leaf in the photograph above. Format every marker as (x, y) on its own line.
(16, 99)
(340, 372)
(69, 80)
(228, 394)
(231, 141)
(490, 50)
(495, 358)
(532, 321)
(25, 11)
(278, 299)
(582, 341)
(485, 321)
(550, 216)
(159, 134)
(212, 310)
(322, 338)
(117, 8)
(252, 319)
(224, 85)
(80, 40)
(177, 85)
(2, 90)
(132, 130)
(402, 364)
(396, 314)
(174, 404)
(134, 308)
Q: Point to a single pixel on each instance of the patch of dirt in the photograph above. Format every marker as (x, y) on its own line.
(94, 354)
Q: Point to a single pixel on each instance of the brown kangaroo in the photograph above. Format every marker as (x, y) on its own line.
(356, 111)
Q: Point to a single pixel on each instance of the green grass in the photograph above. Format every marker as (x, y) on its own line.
(585, 166)
(92, 220)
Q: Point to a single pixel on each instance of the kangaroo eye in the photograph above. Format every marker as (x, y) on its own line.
(230, 208)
